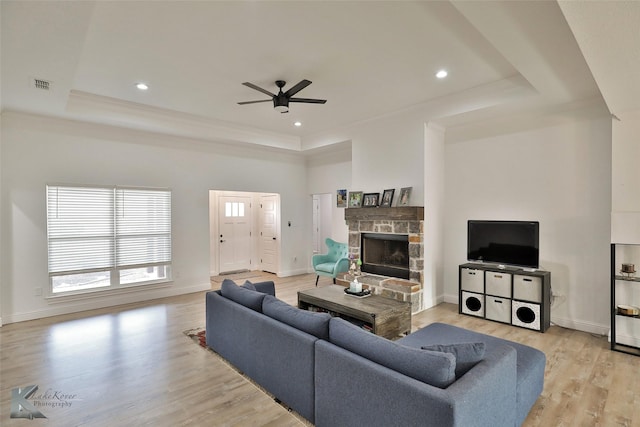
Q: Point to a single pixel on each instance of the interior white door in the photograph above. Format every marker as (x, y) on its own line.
(235, 233)
(269, 247)
(316, 224)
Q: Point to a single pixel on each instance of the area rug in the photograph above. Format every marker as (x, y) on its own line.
(198, 336)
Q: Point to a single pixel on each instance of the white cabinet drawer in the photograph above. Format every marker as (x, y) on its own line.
(527, 288)
(498, 283)
(498, 309)
(472, 280)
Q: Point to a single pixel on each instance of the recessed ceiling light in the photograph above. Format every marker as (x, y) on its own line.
(298, 124)
(441, 74)
(142, 86)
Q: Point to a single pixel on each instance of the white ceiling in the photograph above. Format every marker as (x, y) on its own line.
(368, 59)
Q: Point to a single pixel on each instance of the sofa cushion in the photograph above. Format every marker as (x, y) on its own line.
(243, 296)
(431, 367)
(467, 354)
(248, 285)
(316, 324)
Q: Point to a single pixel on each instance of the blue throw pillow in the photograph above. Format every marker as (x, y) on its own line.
(243, 296)
(430, 367)
(248, 285)
(467, 354)
(316, 324)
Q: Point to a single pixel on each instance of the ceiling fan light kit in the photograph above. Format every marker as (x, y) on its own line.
(281, 100)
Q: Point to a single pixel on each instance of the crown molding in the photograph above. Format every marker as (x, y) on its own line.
(106, 110)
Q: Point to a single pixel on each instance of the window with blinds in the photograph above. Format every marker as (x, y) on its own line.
(107, 237)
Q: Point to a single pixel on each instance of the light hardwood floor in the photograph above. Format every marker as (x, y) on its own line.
(132, 365)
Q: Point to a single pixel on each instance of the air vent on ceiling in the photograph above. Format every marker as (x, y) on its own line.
(42, 84)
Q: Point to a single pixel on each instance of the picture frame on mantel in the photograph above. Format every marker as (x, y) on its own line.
(387, 198)
(355, 199)
(370, 200)
(341, 198)
(405, 196)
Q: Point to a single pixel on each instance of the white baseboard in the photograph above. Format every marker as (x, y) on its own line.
(592, 328)
(428, 303)
(451, 299)
(288, 273)
(104, 302)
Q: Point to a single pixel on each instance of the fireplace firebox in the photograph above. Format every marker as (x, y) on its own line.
(385, 254)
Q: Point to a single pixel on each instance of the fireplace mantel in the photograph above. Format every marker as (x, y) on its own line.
(399, 213)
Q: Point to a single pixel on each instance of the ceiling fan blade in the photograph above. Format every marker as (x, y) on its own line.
(253, 102)
(308, 100)
(258, 88)
(297, 88)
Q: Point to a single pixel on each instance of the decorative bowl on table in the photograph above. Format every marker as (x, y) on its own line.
(363, 293)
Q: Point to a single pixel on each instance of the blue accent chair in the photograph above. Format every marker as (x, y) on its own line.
(334, 262)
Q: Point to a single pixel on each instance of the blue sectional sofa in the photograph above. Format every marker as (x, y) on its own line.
(334, 373)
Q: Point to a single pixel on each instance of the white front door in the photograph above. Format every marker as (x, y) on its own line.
(234, 240)
(269, 246)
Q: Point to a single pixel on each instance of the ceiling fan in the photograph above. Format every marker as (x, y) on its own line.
(282, 99)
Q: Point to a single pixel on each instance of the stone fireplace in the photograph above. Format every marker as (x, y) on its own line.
(384, 274)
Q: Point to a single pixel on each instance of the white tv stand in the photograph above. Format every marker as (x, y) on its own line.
(516, 296)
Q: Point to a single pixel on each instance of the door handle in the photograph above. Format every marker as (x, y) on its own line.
(274, 238)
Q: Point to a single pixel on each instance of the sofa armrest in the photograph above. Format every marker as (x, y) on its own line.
(267, 287)
(351, 390)
(486, 394)
(266, 350)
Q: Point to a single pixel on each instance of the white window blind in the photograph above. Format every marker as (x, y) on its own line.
(107, 229)
(80, 228)
(143, 227)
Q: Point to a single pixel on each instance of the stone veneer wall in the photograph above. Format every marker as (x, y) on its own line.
(399, 220)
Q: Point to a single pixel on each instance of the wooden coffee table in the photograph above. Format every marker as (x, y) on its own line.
(382, 316)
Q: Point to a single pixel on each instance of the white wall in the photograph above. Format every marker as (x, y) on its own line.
(1, 190)
(625, 198)
(327, 172)
(389, 153)
(1, 224)
(558, 175)
(38, 150)
(434, 160)
(328, 210)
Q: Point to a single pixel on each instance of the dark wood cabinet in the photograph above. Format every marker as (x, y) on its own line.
(508, 295)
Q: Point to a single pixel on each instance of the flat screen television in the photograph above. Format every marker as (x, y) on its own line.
(503, 242)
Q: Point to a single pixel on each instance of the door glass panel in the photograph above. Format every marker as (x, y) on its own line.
(234, 209)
